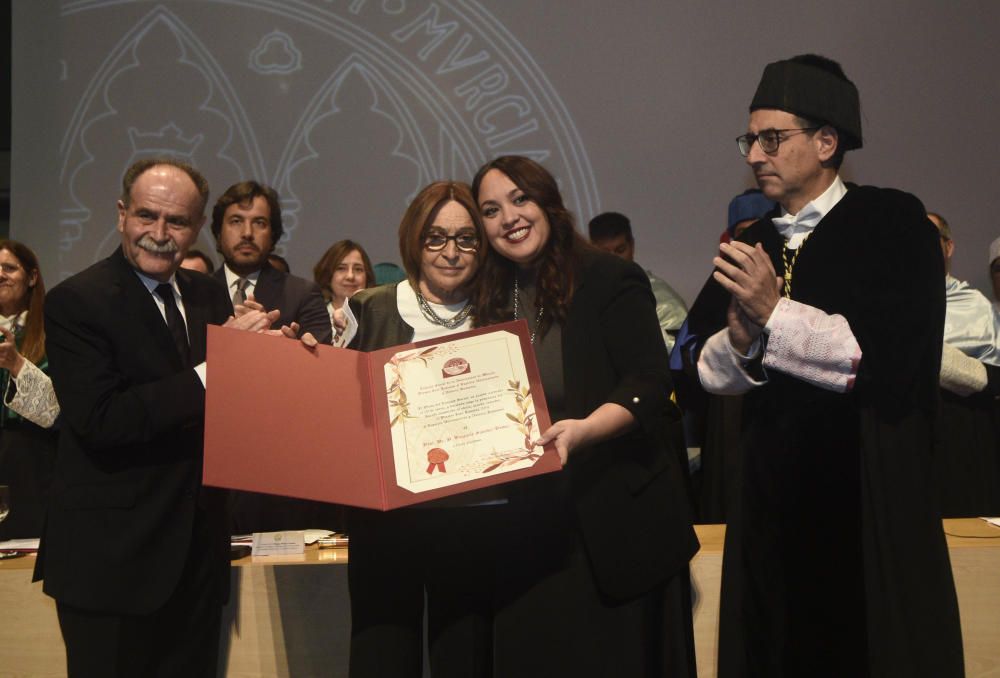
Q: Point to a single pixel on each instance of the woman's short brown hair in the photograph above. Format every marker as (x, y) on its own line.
(420, 214)
(324, 268)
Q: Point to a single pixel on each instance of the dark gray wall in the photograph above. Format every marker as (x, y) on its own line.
(349, 107)
(5, 61)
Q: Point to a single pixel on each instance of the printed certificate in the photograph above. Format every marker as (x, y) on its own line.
(383, 429)
(460, 410)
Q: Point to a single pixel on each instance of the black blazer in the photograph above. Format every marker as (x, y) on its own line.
(128, 471)
(298, 299)
(379, 322)
(630, 492)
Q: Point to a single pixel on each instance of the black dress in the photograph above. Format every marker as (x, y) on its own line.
(835, 560)
(594, 579)
(969, 453)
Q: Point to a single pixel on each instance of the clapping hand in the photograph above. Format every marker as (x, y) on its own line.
(10, 358)
(747, 273)
(251, 313)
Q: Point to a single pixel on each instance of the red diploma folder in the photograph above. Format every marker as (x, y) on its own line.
(385, 429)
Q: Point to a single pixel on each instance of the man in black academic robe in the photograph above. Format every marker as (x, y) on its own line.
(835, 560)
(968, 441)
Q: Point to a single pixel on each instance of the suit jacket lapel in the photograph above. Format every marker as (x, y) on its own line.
(220, 275)
(266, 290)
(138, 304)
(197, 317)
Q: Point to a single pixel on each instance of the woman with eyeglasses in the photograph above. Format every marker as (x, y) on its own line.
(28, 408)
(595, 571)
(444, 549)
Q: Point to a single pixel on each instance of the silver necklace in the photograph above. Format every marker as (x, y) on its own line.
(538, 320)
(432, 317)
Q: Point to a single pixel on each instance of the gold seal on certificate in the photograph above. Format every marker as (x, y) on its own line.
(481, 421)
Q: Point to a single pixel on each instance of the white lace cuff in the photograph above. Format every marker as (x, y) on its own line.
(35, 399)
(720, 367)
(808, 344)
(961, 374)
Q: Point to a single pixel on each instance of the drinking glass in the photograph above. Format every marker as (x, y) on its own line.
(4, 512)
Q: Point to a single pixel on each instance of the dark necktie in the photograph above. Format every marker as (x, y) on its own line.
(240, 295)
(175, 322)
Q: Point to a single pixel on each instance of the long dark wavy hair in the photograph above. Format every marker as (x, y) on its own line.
(556, 266)
(33, 340)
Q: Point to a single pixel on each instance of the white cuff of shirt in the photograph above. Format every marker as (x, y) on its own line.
(720, 366)
(201, 370)
(811, 345)
(35, 399)
(961, 374)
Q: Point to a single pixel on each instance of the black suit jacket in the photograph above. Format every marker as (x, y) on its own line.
(633, 486)
(298, 299)
(128, 473)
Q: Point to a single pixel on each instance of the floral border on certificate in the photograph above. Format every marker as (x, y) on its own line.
(524, 417)
(395, 392)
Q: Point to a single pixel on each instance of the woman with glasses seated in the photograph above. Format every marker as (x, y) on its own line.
(29, 407)
(443, 549)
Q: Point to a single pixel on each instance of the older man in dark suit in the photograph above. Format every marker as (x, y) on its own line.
(135, 550)
(246, 223)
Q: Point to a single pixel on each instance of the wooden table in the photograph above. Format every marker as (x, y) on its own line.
(291, 617)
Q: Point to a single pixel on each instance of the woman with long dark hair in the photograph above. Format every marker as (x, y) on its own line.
(597, 581)
(29, 407)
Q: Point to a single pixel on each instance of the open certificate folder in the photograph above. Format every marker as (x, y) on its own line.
(380, 430)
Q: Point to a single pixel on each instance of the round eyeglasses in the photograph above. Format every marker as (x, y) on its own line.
(465, 242)
(768, 139)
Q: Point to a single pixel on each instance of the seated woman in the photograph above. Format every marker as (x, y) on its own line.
(29, 407)
(343, 270)
(595, 566)
(445, 550)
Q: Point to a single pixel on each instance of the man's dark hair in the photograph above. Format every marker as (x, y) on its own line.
(139, 167)
(244, 193)
(279, 262)
(198, 254)
(609, 225)
(945, 228)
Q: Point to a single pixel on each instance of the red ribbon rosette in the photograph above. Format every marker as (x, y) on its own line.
(436, 458)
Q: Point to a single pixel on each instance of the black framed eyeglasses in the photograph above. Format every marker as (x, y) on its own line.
(466, 242)
(768, 139)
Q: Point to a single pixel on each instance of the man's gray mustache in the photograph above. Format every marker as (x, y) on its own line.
(146, 242)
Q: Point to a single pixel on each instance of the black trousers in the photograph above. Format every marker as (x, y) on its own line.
(397, 558)
(553, 620)
(179, 639)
